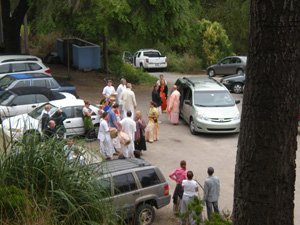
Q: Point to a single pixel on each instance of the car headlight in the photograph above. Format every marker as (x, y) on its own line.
(201, 116)
(237, 116)
(225, 82)
(15, 130)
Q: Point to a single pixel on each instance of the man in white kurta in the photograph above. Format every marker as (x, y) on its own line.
(106, 148)
(120, 90)
(129, 102)
(128, 127)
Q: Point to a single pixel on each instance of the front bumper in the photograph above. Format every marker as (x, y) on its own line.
(207, 126)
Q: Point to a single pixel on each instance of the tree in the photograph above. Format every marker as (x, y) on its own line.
(12, 21)
(265, 163)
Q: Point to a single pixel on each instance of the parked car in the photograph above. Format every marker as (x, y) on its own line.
(29, 123)
(227, 66)
(146, 59)
(207, 106)
(37, 80)
(135, 187)
(22, 100)
(22, 64)
(234, 83)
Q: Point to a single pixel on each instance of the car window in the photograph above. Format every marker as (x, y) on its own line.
(4, 68)
(6, 81)
(22, 83)
(51, 84)
(236, 60)
(213, 99)
(226, 61)
(104, 186)
(68, 111)
(39, 82)
(148, 177)
(124, 183)
(19, 67)
(24, 100)
(5, 98)
(36, 113)
(139, 54)
(78, 111)
(34, 66)
(41, 98)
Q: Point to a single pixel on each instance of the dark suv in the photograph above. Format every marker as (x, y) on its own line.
(135, 187)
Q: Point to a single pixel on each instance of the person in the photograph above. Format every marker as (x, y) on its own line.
(128, 127)
(173, 106)
(129, 102)
(178, 175)
(163, 93)
(161, 77)
(137, 154)
(45, 117)
(69, 147)
(121, 88)
(108, 90)
(50, 131)
(211, 192)
(113, 123)
(106, 147)
(156, 97)
(105, 105)
(59, 117)
(87, 121)
(100, 111)
(190, 189)
(152, 129)
(139, 139)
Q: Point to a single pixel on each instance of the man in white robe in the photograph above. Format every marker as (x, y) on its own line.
(128, 127)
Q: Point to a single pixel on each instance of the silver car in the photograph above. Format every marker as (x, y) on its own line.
(227, 66)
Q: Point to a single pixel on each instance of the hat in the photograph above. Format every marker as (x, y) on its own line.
(109, 80)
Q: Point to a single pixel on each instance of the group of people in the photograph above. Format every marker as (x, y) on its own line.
(186, 188)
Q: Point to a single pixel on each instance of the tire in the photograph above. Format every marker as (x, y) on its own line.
(142, 68)
(144, 215)
(237, 88)
(211, 73)
(240, 71)
(192, 127)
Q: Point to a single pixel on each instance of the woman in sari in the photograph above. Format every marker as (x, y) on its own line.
(152, 130)
(139, 140)
(163, 92)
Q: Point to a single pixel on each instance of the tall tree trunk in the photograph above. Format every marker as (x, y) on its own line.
(105, 54)
(12, 24)
(265, 163)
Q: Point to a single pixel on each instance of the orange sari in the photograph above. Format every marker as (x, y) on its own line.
(163, 98)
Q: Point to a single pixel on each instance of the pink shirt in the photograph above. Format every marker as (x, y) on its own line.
(179, 175)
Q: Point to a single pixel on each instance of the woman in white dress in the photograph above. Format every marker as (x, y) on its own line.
(106, 147)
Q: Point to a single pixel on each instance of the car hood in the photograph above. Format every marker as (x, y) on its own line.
(22, 122)
(235, 76)
(218, 112)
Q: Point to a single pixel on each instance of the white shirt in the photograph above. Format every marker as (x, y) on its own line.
(108, 90)
(189, 187)
(103, 130)
(120, 91)
(129, 127)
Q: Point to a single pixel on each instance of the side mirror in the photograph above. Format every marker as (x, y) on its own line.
(187, 102)
(13, 104)
(237, 101)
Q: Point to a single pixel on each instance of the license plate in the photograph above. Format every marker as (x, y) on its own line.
(156, 64)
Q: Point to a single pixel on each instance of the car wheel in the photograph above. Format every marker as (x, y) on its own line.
(240, 71)
(142, 68)
(211, 73)
(192, 126)
(145, 214)
(237, 88)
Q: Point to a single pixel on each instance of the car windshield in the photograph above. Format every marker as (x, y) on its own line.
(213, 99)
(6, 98)
(36, 114)
(6, 81)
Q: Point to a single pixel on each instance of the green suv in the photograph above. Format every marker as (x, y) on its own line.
(135, 187)
(207, 106)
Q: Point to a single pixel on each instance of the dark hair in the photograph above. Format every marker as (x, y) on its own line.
(115, 106)
(210, 171)
(183, 164)
(137, 154)
(104, 114)
(121, 156)
(154, 104)
(155, 85)
(57, 113)
(129, 113)
(190, 175)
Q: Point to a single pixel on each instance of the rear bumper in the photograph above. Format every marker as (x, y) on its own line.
(156, 65)
(163, 201)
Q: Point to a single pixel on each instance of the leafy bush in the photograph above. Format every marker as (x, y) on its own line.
(184, 64)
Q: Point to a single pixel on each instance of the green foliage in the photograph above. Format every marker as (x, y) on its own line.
(184, 64)
(217, 219)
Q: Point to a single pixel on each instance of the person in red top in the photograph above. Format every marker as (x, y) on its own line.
(178, 175)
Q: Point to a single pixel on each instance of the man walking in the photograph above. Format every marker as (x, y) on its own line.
(211, 192)
(120, 90)
(173, 106)
(128, 127)
(129, 102)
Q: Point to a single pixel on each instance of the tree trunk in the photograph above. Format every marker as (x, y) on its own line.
(105, 54)
(265, 164)
(11, 25)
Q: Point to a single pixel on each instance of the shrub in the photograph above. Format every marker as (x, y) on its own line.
(184, 64)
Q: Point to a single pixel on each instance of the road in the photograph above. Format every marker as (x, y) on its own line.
(200, 151)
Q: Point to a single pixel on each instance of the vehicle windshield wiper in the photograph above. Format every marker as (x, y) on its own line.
(202, 105)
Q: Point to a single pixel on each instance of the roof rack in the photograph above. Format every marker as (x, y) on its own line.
(186, 78)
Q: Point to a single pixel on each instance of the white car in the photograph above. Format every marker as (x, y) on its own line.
(24, 124)
(17, 101)
(22, 64)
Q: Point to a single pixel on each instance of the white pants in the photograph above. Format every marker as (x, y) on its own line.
(116, 143)
(128, 150)
(125, 114)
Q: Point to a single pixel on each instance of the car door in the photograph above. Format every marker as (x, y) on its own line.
(186, 103)
(69, 123)
(22, 104)
(224, 66)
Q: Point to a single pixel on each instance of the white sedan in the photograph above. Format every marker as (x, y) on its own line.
(29, 123)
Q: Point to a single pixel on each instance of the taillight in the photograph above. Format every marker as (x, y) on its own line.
(167, 190)
(48, 71)
(147, 60)
(166, 60)
(75, 92)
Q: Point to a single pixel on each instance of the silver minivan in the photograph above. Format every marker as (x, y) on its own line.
(207, 106)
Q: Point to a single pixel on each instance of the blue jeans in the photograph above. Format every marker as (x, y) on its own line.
(209, 206)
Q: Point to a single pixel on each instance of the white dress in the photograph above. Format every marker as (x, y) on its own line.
(106, 148)
(129, 127)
